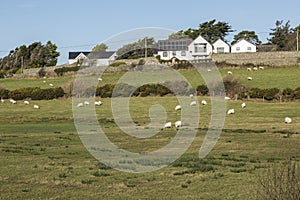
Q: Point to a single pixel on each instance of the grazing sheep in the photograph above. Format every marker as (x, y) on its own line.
(191, 96)
(209, 70)
(193, 103)
(36, 107)
(80, 105)
(227, 98)
(51, 85)
(12, 101)
(249, 78)
(86, 103)
(230, 111)
(44, 81)
(255, 68)
(2, 100)
(243, 105)
(229, 72)
(178, 124)
(99, 79)
(261, 68)
(168, 125)
(249, 69)
(203, 102)
(26, 102)
(178, 107)
(288, 120)
(98, 103)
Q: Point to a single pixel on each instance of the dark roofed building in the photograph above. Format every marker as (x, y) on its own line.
(101, 57)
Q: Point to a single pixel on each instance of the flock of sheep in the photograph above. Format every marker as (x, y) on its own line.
(26, 102)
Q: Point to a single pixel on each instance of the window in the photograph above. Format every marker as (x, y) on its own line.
(238, 49)
(200, 47)
(165, 54)
(183, 53)
(220, 50)
(248, 48)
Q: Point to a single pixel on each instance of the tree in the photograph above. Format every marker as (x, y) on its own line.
(279, 34)
(178, 35)
(211, 30)
(35, 55)
(137, 49)
(250, 36)
(100, 47)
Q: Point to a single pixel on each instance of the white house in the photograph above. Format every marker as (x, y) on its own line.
(184, 49)
(101, 58)
(220, 46)
(169, 49)
(243, 46)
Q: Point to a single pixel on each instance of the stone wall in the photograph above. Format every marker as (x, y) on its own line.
(274, 59)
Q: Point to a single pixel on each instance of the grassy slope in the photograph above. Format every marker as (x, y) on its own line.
(281, 77)
(41, 155)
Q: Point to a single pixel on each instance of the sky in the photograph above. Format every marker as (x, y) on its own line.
(78, 25)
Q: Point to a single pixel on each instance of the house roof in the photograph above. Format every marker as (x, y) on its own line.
(174, 44)
(241, 40)
(92, 55)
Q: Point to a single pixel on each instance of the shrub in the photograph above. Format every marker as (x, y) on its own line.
(42, 72)
(296, 93)
(117, 64)
(179, 87)
(287, 94)
(61, 71)
(202, 90)
(271, 93)
(233, 86)
(279, 182)
(4, 93)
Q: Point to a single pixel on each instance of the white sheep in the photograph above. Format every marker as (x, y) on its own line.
(12, 101)
(261, 68)
(80, 105)
(209, 70)
(98, 103)
(178, 124)
(249, 78)
(203, 102)
(230, 111)
(193, 103)
(44, 81)
(244, 105)
(227, 98)
(2, 101)
(249, 69)
(255, 68)
(36, 107)
(191, 96)
(51, 85)
(168, 125)
(288, 120)
(99, 79)
(26, 102)
(86, 103)
(229, 72)
(178, 107)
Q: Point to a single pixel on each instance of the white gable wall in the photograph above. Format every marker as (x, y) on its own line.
(243, 46)
(199, 48)
(221, 47)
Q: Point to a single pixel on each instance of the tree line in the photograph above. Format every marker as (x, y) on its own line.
(35, 55)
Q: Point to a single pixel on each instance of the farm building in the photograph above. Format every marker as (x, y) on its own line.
(243, 46)
(101, 57)
(220, 46)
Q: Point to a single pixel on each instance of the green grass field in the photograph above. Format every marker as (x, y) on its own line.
(42, 157)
